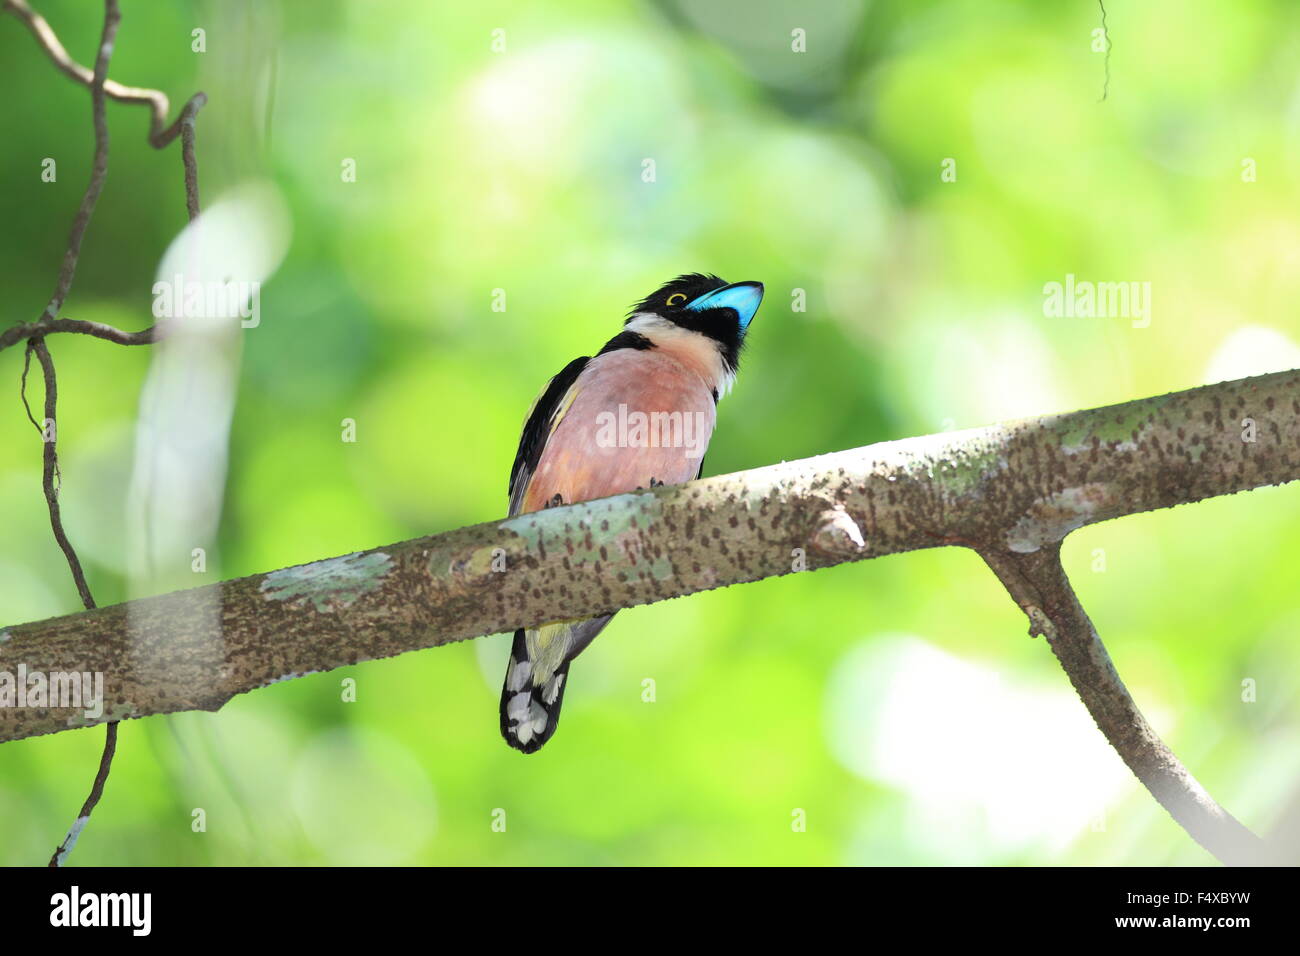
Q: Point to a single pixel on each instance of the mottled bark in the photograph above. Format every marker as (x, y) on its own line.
(1009, 488)
(1011, 491)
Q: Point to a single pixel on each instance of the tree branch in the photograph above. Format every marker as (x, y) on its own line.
(160, 134)
(99, 169)
(36, 345)
(49, 483)
(1016, 487)
(29, 330)
(1039, 585)
(50, 469)
(1010, 491)
(159, 137)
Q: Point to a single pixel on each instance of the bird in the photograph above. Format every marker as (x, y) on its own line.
(638, 414)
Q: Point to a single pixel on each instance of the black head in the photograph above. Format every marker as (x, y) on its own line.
(708, 305)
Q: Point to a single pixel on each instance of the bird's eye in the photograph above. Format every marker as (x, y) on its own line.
(676, 299)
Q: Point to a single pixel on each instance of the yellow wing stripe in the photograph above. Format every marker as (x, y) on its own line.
(562, 409)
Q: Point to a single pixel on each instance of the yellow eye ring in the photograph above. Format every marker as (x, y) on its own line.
(676, 298)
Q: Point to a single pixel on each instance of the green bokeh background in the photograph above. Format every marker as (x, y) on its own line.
(896, 706)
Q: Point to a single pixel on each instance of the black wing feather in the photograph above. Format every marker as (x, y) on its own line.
(538, 426)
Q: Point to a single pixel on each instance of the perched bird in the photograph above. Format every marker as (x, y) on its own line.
(636, 415)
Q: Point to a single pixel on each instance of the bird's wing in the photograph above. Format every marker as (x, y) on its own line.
(546, 411)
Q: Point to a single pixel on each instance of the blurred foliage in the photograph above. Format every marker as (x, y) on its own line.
(897, 703)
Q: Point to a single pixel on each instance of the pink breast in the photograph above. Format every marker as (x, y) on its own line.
(661, 430)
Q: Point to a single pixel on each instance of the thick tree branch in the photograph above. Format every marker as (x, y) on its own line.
(1013, 488)
(1012, 492)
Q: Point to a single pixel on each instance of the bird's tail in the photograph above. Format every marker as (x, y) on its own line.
(530, 713)
(535, 682)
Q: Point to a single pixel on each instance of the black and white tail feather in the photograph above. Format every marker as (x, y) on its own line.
(529, 714)
(530, 708)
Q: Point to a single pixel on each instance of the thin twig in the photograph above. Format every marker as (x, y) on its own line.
(34, 333)
(60, 855)
(50, 476)
(22, 387)
(186, 122)
(29, 330)
(160, 134)
(99, 171)
(1038, 583)
(36, 345)
(50, 484)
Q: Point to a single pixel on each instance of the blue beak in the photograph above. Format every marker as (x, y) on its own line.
(744, 297)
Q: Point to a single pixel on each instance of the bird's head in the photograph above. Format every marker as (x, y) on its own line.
(705, 304)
